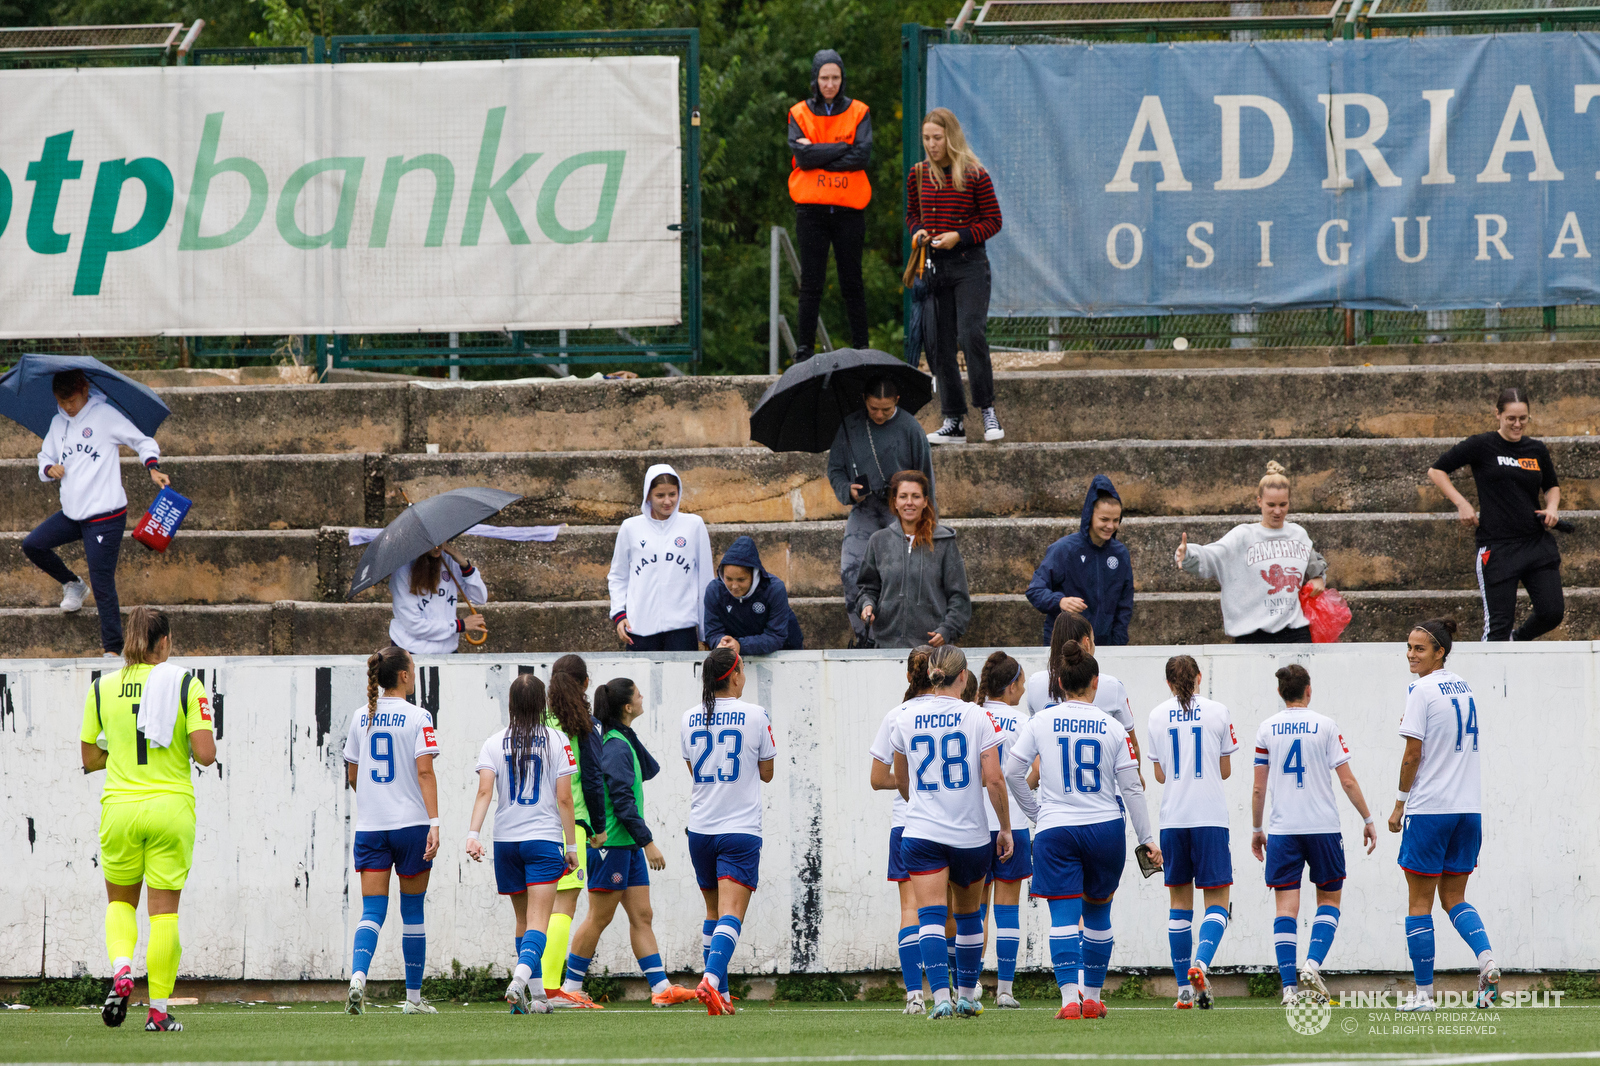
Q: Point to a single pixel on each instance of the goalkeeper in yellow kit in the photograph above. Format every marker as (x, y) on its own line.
(142, 725)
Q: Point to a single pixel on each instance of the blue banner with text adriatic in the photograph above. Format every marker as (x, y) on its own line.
(1401, 173)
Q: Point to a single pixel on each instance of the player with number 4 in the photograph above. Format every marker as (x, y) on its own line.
(1440, 809)
(1296, 749)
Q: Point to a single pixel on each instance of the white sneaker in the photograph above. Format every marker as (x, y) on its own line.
(72, 594)
(914, 1002)
(952, 432)
(1006, 1001)
(1419, 1004)
(422, 1006)
(1289, 994)
(356, 1001)
(991, 426)
(1311, 977)
(540, 1003)
(1488, 984)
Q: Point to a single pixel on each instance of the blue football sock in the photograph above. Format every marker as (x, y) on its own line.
(374, 909)
(708, 929)
(577, 970)
(911, 958)
(1286, 939)
(1419, 945)
(723, 942)
(1470, 925)
(1323, 926)
(1211, 930)
(969, 951)
(952, 963)
(1007, 940)
(531, 955)
(1097, 944)
(1066, 948)
(413, 940)
(655, 972)
(1180, 939)
(935, 952)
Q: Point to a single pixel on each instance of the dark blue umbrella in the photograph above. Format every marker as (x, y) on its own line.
(25, 395)
(424, 526)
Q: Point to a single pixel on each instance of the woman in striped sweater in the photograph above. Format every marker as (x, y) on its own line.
(950, 200)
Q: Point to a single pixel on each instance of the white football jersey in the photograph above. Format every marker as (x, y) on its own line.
(387, 793)
(1111, 697)
(1189, 745)
(1009, 720)
(1080, 748)
(883, 750)
(525, 795)
(1300, 748)
(723, 751)
(943, 740)
(1442, 713)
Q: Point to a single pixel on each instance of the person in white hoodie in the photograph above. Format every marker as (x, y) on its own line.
(80, 451)
(659, 570)
(425, 592)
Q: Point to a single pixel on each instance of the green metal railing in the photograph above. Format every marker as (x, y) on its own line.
(1013, 22)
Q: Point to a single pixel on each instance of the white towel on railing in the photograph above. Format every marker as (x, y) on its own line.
(362, 535)
(158, 703)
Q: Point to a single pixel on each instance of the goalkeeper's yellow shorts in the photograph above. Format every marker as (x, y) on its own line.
(149, 840)
(580, 877)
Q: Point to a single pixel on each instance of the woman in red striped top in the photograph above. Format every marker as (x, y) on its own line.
(950, 198)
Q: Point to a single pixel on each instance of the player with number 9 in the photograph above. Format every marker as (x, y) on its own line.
(526, 769)
(728, 748)
(1440, 808)
(388, 756)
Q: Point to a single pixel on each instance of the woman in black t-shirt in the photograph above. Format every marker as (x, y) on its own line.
(1513, 532)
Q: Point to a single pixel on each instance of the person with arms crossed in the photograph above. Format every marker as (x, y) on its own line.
(945, 759)
(1081, 845)
(1295, 750)
(729, 750)
(1440, 809)
(526, 771)
(142, 725)
(388, 755)
(80, 451)
(1512, 531)
(1191, 746)
(1000, 694)
(883, 780)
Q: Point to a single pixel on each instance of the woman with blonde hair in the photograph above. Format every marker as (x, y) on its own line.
(951, 210)
(913, 581)
(1261, 567)
(142, 725)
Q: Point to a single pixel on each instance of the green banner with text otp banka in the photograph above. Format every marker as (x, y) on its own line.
(526, 194)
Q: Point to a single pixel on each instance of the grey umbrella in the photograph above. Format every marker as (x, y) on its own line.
(423, 527)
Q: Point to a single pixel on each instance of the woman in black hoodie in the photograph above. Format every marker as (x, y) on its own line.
(830, 140)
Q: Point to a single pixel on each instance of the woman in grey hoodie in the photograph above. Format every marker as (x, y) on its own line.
(1261, 566)
(913, 582)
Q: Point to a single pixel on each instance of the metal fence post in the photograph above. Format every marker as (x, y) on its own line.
(455, 364)
(772, 308)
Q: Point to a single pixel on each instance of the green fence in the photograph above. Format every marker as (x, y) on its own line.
(1013, 22)
(656, 344)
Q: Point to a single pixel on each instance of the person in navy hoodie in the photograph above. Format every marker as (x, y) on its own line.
(1089, 572)
(747, 609)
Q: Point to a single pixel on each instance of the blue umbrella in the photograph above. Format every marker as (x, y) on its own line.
(25, 395)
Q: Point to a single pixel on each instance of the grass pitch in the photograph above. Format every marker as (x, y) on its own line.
(1239, 1031)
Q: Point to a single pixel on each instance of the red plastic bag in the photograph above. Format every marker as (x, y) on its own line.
(1327, 613)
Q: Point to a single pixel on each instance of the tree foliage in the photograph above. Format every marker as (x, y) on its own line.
(755, 63)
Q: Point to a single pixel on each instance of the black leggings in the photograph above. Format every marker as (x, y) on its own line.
(1537, 565)
(845, 228)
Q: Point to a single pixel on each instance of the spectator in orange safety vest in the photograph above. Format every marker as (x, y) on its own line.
(830, 139)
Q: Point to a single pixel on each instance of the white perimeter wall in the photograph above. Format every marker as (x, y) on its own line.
(272, 895)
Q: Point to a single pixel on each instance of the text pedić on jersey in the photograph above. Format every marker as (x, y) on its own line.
(700, 718)
(1178, 714)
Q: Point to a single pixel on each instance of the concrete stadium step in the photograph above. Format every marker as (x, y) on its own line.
(301, 628)
(756, 485)
(1365, 551)
(1099, 402)
(1450, 354)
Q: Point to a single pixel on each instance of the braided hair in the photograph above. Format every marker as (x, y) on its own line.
(1000, 672)
(716, 674)
(384, 668)
(917, 683)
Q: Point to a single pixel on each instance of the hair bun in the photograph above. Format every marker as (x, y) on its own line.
(1275, 467)
(1449, 626)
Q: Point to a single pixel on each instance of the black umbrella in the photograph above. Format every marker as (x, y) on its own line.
(424, 526)
(801, 412)
(25, 395)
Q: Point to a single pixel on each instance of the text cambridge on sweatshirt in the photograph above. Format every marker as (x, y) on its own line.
(659, 569)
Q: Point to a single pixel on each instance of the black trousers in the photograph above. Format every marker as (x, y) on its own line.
(845, 228)
(1537, 565)
(1292, 635)
(687, 639)
(960, 286)
(102, 542)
